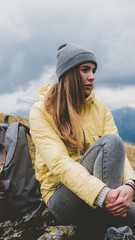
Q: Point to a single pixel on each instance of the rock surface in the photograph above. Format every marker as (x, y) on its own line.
(59, 233)
(38, 225)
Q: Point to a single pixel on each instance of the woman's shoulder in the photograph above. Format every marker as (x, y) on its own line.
(96, 101)
(42, 92)
(99, 102)
(38, 108)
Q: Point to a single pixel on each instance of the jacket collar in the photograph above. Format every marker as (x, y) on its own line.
(90, 98)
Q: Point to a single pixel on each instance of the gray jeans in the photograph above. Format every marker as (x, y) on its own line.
(105, 160)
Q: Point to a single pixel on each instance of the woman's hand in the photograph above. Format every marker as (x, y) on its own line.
(119, 200)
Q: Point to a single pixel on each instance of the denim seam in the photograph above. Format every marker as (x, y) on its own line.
(100, 145)
(103, 164)
(53, 211)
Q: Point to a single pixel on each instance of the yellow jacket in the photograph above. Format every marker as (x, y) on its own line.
(55, 162)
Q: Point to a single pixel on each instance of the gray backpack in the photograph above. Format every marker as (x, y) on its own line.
(19, 190)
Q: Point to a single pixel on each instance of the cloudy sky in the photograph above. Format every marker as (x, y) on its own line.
(32, 30)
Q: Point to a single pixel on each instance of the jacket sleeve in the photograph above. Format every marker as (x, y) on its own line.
(109, 124)
(128, 171)
(110, 127)
(54, 154)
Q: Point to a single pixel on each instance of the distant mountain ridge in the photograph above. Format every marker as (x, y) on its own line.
(125, 121)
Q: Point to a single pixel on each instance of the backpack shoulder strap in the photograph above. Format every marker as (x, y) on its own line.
(27, 129)
(11, 141)
(7, 118)
(4, 154)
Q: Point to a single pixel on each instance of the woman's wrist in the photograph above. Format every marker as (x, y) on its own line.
(130, 183)
(101, 197)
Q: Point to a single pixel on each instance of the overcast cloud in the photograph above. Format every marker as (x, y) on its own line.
(31, 30)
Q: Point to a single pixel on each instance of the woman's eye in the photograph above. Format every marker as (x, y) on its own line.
(85, 69)
(88, 69)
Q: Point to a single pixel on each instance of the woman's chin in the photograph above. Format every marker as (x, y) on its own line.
(87, 93)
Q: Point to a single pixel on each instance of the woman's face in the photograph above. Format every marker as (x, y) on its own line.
(87, 71)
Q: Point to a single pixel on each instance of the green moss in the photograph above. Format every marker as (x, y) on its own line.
(62, 229)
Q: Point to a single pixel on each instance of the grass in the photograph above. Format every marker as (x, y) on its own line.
(130, 148)
(130, 151)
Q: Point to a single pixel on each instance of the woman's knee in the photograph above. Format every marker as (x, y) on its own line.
(113, 141)
(113, 147)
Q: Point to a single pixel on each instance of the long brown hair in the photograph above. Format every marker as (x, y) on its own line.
(64, 101)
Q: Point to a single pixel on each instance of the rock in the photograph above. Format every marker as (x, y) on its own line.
(59, 233)
(36, 225)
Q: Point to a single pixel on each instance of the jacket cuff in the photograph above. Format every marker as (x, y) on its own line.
(130, 181)
(101, 197)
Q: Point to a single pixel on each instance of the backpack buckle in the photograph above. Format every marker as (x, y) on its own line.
(1, 168)
(2, 195)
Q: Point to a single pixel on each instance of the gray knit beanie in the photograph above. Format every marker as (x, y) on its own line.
(71, 55)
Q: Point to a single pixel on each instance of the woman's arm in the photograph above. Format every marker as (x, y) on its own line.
(118, 201)
(110, 127)
(109, 124)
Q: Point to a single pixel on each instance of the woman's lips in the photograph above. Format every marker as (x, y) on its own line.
(89, 86)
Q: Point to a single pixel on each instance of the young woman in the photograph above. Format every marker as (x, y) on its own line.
(80, 159)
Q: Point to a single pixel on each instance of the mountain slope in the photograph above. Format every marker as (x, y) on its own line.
(125, 121)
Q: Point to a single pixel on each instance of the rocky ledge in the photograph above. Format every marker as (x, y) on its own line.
(36, 225)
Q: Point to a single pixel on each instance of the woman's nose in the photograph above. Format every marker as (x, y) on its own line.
(91, 76)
